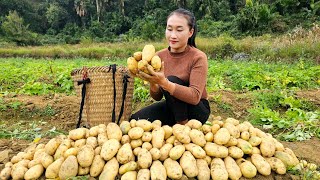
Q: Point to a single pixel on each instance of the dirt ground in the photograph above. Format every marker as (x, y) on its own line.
(67, 109)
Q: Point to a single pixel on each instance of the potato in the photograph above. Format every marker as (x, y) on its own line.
(261, 164)
(177, 151)
(110, 170)
(136, 151)
(158, 171)
(18, 172)
(171, 140)
(34, 172)
(52, 170)
(143, 174)
(133, 123)
(94, 131)
(156, 63)
(125, 127)
(114, 131)
(155, 153)
(279, 146)
(147, 146)
(131, 175)
(222, 136)
(189, 164)
(136, 132)
(232, 142)
(143, 66)
(245, 135)
(209, 137)
(136, 143)
(218, 169)
(248, 170)
(125, 139)
(206, 128)
(9, 164)
(157, 137)
(144, 124)
(125, 154)
(79, 143)
(144, 159)
(156, 124)
(109, 149)
(216, 150)
(69, 168)
(235, 152)
(51, 146)
(245, 146)
(197, 137)
(204, 171)
(167, 131)
(130, 166)
(5, 173)
(232, 129)
(137, 55)
(83, 171)
(181, 133)
(71, 151)
(242, 127)
(34, 162)
(233, 169)
(215, 128)
(286, 158)
(208, 160)
(173, 169)
(255, 141)
(146, 137)
(85, 156)
(46, 160)
(148, 52)
(102, 138)
(92, 141)
(97, 166)
(232, 121)
(194, 124)
(291, 153)
(77, 134)
(60, 151)
(196, 150)
(255, 150)
(277, 165)
(132, 64)
(267, 147)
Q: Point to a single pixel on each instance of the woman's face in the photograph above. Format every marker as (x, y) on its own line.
(178, 33)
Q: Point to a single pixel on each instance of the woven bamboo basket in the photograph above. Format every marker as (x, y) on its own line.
(99, 97)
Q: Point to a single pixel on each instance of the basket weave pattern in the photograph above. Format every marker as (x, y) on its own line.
(99, 100)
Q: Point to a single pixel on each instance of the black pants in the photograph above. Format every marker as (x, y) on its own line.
(172, 110)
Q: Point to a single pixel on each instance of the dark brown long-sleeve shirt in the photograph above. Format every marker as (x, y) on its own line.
(191, 66)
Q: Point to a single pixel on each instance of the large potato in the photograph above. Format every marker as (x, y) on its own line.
(222, 136)
(167, 131)
(69, 168)
(125, 154)
(18, 172)
(194, 124)
(181, 133)
(204, 170)
(46, 160)
(146, 137)
(197, 137)
(136, 132)
(102, 138)
(52, 170)
(177, 151)
(164, 151)
(216, 150)
(34, 172)
(196, 150)
(232, 129)
(143, 174)
(173, 169)
(97, 166)
(157, 137)
(156, 63)
(245, 146)
(109, 149)
(218, 169)
(144, 159)
(155, 153)
(132, 64)
(277, 165)
(144, 124)
(291, 153)
(51, 146)
(110, 170)
(77, 134)
(261, 164)
(92, 141)
(267, 147)
(235, 152)
(189, 164)
(85, 156)
(148, 52)
(130, 175)
(158, 171)
(114, 131)
(233, 169)
(125, 127)
(286, 158)
(248, 170)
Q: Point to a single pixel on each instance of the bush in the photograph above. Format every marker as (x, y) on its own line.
(210, 28)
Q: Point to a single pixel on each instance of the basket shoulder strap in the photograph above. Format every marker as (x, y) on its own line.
(124, 94)
(113, 67)
(83, 95)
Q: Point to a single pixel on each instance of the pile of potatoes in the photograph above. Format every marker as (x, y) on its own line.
(141, 60)
(144, 150)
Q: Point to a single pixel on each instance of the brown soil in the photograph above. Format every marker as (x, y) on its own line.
(223, 103)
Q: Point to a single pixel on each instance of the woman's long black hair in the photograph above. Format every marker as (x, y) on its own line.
(191, 22)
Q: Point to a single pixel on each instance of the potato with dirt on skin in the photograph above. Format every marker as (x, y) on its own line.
(195, 150)
(52, 170)
(189, 164)
(69, 168)
(137, 55)
(167, 131)
(143, 174)
(261, 164)
(177, 151)
(222, 136)
(218, 169)
(147, 146)
(277, 165)
(110, 170)
(158, 171)
(216, 150)
(155, 153)
(102, 138)
(143, 66)
(34, 172)
(156, 63)
(46, 160)
(130, 166)
(51, 146)
(135, 133)
(5, 173)
(197, 137)
(130, 175)
(114, 131)
(144, 124)
(132, 64)
(248, 170)
(245, 146)
(76, 134)
(194, 124)
(97, 166)
(125, 127)
(181, 133)
(85, 156)
(18, 172)
(286, 158)
(148, 52)
(109, 149)
(136, 143)
(144, 159)
(125, 139)
(173, 169)
(267, 147)
(83, 171)
(235, 152)
(125, 154)
(204, 171)
(209, 137)
(157, 137)
(233, 169)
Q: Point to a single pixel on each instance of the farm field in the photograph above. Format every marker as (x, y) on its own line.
(38, 101)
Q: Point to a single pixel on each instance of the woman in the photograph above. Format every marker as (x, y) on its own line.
(182, 79)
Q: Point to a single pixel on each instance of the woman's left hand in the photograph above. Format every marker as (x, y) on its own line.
(153, 77)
